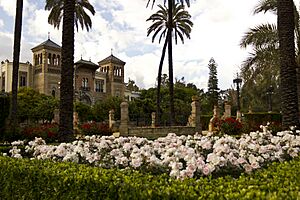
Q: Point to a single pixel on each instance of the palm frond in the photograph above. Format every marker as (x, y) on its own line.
(265, 6)
(261, 35)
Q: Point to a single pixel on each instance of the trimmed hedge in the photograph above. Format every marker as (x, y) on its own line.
(254, 120)
(34, 179)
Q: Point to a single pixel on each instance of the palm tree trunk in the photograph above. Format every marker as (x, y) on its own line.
(16, 59)
(158, 109)
(286, 25)
(170, 58)
(67, 73)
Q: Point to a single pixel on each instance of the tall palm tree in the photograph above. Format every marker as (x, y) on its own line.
(286, 26)
(181, 25)
(72, 12)
(16, 59)
(264, 61)
(181, 1)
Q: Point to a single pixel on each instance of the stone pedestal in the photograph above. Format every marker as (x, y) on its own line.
(153, 116)
(56, 116)
(239, 116)
(124, 119)
(111, 119)
(227, 112)
(212, 122)
(75, 119)
(195, 115)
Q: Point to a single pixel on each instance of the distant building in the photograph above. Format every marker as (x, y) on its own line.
(92, 82)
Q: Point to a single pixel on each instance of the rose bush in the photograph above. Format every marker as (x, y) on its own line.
(179, 156)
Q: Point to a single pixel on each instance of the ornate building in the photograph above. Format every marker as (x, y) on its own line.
(92, 82)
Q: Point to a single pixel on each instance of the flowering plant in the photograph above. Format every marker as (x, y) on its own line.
(179, 156)
(48, 132)
(94, 128)
(231, 126)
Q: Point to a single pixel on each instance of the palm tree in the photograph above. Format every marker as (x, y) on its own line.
(16, 59)
(181, 25)
(181, 1)
(264, 63)
(72, 12)
(286, 26)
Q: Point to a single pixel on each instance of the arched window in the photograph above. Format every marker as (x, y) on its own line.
(49, 59)
(53, 93)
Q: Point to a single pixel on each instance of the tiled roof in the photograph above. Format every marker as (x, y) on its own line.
(111, 59)
(48, 43)
(86, 63)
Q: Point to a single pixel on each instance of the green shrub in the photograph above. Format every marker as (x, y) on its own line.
(254, 120)
(36, 179)
(85, 112)
(204, 119)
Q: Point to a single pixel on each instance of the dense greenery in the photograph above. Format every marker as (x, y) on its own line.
(35, 179)
(4, 110)
(35, 107)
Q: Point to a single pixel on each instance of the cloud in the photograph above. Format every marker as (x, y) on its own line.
(121, 25)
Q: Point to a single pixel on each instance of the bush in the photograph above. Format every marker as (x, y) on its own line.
(36, 179)
(254, 120)
(230, 126)
(95, 128)
(84, 111)
(48, 132)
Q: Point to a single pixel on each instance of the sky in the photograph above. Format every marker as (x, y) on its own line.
(120, 27)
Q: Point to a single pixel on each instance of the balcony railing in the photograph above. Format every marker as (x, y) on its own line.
(85, 88)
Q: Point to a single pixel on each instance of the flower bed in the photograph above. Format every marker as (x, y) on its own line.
(179, 156)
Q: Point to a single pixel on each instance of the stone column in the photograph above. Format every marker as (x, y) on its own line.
(239, 116)
(56, 116)
(195, 114)
(153, 119)
(227, 112)
(75, 119)
(111, 118)
(124, 119)
(213, 120)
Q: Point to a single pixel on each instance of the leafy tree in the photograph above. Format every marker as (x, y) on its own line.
(101, 108)
(286, 24)
(213, 90)
(16, 60)
(85, 112)
(165, 21)
(34, 106)
(131, 86)
(72, 12)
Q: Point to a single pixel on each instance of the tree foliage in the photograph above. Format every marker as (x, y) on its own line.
(213, 90)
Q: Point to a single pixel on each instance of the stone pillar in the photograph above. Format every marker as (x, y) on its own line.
(111, 118)
(153, 119)
(75, 119)
(124, 119)
(227, 112)
(56, 116)
(195, 114)
(212, 122)
(238, 116)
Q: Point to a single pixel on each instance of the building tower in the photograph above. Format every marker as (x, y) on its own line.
(46, 67)
(114, 69)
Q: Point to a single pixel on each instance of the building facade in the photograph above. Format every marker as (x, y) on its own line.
(92, 82)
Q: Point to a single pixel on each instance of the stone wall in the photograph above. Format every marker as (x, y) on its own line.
(153, 133)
